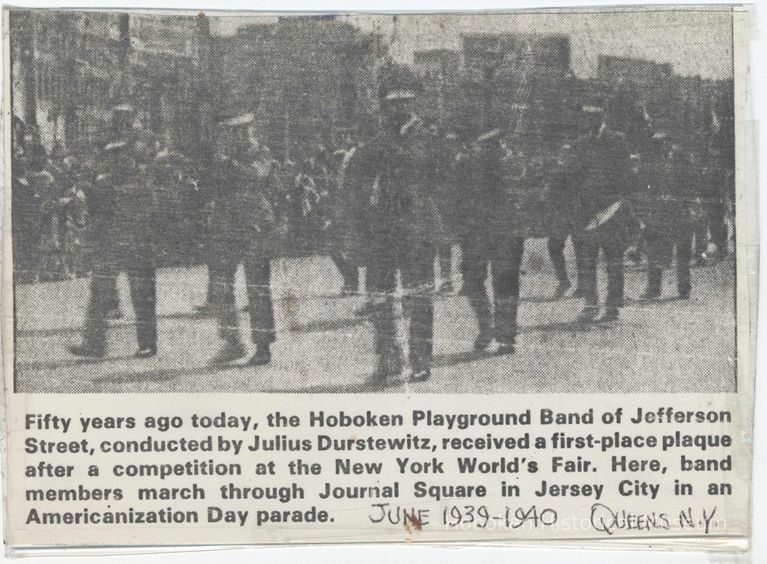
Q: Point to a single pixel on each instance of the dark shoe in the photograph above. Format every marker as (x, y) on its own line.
(387, 365)
(446, 287)
(380, 376)
(482, 342)
(611, 314)
(146, 353)
(231, 351)
(419, 375)
(561, 290)
(365, 310)
(650, 295)
(505, 348)
(588, 314)
(114, 314)
(261, 357)
(82, 350)
(578, 293)
(206, 310)
(684, 295)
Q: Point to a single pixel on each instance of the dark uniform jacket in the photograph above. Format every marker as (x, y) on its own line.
(670, 182)
(400, 172)
(497, 201)
(597, 168)
(484, 202)
(122, 204)
(245, 200)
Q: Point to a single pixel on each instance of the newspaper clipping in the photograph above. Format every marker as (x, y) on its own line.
(334, 278)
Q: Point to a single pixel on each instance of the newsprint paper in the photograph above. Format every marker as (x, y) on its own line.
(338, 278)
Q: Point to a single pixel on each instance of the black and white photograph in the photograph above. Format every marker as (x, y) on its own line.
(471, 203)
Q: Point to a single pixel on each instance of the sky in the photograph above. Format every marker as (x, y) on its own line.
(694, 41)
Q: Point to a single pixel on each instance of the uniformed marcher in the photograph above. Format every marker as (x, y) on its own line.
(175, 177)
(349, 270)
(122, 211)
(490, 238)
(598, 164)
(403, 226)
(716, 162)
(561, 224)
(244, 184)
(670, 178)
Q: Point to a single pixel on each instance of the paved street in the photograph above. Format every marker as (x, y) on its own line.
(665, 346)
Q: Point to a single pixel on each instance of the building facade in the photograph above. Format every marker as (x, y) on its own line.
(439, 72)
(69, 68)
(308, 81)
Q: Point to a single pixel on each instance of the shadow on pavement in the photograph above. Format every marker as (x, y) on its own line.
(73, 362)
(163, 374)
(322, 325)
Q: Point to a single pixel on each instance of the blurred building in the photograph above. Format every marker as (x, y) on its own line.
(520, 82)
(63, 71)
(69, 68)
(612, 69)
(439, 72)
(308, 80)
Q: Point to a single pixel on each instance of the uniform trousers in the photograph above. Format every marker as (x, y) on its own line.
(556, 248)
(506, 260)
(661, 241)
(414, 259)
(138, 264)
(257, 279)
(712, 223)
(612, 243)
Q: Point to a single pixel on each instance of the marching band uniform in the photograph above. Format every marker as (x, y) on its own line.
(671, 184)
(599, 165)
(123, 212)
(404, 227)
(243, 231)
(488, 237)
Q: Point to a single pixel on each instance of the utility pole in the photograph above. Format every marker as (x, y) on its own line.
(123, 52)
(26, 37)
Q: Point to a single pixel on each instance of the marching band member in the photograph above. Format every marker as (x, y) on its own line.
(598, 164)
(244, 180)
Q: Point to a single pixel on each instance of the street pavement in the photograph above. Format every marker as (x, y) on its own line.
(323, 347)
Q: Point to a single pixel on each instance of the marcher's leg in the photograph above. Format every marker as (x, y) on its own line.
(718, 228)
(228, 325)
(614, 249)
(589, 259)
(506, 286)
(141, 278)
(446, 267)
(348, 272)
(683, 251)
(701, 237)
(556, 247)
(95, 327)
(260, 307)
(209, 295)
(655, 243)
(474, 267)
(579, 248)
(417, 272)
(381, 279)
